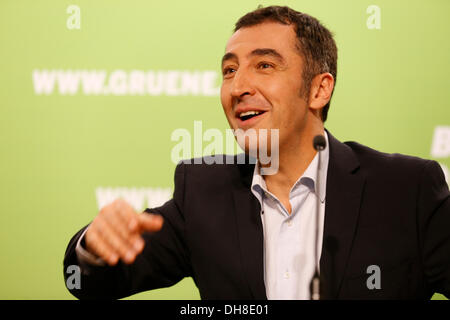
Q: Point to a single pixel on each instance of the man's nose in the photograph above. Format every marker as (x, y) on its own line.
(242, 84)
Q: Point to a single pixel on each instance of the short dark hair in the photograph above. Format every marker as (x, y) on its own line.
(315, 42)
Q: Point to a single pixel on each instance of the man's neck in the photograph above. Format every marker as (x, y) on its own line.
(294, 159)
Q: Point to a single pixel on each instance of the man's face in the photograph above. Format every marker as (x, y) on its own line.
(262, 81)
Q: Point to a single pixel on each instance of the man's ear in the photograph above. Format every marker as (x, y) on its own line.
(321, 89)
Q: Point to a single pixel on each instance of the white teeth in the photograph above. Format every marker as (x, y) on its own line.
(248, 113)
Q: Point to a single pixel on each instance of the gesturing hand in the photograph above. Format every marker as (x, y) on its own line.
(116, 232)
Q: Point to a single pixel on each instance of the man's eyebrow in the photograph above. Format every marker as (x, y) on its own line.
(267, 52)
(229, 56)
(257, 52)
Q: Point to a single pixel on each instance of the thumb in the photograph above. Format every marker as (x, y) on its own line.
(150, 222)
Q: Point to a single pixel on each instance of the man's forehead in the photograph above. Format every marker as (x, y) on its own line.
(263, 35)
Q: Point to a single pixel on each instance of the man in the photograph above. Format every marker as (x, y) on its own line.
(244, 235)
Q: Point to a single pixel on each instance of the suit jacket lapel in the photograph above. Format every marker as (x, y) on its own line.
(345, 184)
(250, 231)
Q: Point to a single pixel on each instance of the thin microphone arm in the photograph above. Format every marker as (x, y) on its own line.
(319, 144)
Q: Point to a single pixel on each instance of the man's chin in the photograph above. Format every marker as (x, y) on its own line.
(251, 152)
(257, 149)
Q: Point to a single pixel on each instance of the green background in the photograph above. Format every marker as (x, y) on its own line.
(392, 91)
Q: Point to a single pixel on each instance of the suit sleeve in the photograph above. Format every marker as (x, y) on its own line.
(163, 262)
(434, 221)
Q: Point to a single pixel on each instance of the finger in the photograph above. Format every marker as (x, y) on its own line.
(98, 246)
(120, 226)
(125, 221)
(133, 239)
(128, 214)
(117, 214)
(124, 209)
(150, 222)
(137, 243)
(121, 247)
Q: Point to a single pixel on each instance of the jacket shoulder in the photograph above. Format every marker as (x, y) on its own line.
(377, 162)
(394, 171)
(365, 153)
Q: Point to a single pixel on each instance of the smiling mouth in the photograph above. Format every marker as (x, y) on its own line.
(244, 116)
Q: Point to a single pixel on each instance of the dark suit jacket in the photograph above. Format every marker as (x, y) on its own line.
(388, 210)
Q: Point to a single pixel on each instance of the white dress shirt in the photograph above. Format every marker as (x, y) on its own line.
(289, 239)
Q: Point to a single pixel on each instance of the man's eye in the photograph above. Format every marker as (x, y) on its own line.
(228, 71)
(264, 65)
